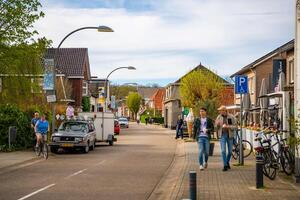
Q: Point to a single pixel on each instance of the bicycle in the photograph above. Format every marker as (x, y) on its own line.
(247, 148)
(272, 159)
(42, 148)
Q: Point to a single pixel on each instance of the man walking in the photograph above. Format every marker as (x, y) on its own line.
(203, 128)
(226, 125)
(179, 128)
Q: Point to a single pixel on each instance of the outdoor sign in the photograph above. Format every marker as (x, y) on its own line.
(279, 65)
(51, 98)
(241, 84)
(48, 74)
(186, 111)
(113, 102)
(101, 100)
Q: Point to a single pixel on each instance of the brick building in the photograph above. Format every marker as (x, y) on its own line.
(73, 64)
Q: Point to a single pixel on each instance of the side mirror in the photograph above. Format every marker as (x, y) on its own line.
(55, 130)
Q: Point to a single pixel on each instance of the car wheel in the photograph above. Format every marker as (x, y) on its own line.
(53, 149)
(86, 149)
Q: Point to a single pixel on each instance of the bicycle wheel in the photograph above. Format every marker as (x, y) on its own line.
(45, 151)
(37, 150)
(269, 169)
(247, 148)
(287, 162)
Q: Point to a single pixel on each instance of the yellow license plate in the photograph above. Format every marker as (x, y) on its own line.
(67, 145)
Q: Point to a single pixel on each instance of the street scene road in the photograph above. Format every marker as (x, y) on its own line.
(128, 170)
(154, 100)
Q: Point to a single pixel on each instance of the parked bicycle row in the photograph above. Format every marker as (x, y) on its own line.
(276, 154)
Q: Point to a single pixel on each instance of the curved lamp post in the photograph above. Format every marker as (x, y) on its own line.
(99, 29)
(105, 89)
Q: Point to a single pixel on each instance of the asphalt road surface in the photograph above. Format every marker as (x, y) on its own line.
(128, 170)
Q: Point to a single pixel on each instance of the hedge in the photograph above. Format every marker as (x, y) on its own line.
(159, 120)
(11, 115)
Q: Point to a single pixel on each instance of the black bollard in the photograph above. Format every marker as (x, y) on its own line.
(193, 185)
(259, 171)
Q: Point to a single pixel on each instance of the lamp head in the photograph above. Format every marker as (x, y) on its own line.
(104, 29)
(131, 68)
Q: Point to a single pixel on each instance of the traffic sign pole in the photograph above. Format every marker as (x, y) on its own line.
(241, 87)
(241, 156)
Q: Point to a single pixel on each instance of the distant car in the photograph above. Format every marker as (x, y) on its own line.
(74, 134)
(117, 127)
(123, 122)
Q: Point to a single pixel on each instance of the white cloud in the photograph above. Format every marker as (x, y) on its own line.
(173, 37)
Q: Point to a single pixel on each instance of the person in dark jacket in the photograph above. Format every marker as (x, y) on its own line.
(179, 128)
(203, 128)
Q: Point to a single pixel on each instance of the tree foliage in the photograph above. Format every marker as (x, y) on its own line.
(17, 19)
(20, 54)
(86, 104)
(134, 102)
(121, 91)
(201, 88)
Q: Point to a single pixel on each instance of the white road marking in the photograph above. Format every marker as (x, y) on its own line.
(34, 193)
(76, 173)
(100, 163)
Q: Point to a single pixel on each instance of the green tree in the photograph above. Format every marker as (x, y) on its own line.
(201, 88)
(121, 91)
(134, 102)
(17, 19)
(86, 104)
(21, 54)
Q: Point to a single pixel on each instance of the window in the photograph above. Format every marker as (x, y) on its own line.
(36, 85)
(85, 88)
(291, 71)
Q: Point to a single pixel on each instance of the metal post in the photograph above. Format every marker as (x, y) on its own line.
(9, 138)
(259, 172)
(193, 185)
(241, 156)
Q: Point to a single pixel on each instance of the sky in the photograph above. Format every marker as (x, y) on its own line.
(164, 39)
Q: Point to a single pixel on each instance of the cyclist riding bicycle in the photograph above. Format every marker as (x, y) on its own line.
(41, 129)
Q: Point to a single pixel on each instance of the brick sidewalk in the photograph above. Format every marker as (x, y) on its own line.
(237, 183)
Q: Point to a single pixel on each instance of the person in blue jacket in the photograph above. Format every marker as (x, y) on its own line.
(41, 129)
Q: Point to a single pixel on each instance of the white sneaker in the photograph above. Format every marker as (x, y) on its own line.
(201, 167)
(205, 165)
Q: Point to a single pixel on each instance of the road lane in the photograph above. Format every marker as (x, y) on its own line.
(128, 170)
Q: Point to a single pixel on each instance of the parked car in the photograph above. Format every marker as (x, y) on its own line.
(123, 122)
(116, 127)
(74, 134)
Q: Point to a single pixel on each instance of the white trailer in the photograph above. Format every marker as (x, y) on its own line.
(104, 125)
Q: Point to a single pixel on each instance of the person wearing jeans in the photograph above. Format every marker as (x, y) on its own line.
(179, 130)
(203, 128)
(226, 125)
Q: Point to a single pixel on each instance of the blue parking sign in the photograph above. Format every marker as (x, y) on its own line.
(241, 84)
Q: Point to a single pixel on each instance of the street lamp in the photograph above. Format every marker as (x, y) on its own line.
(105, 89)
(99, 29)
